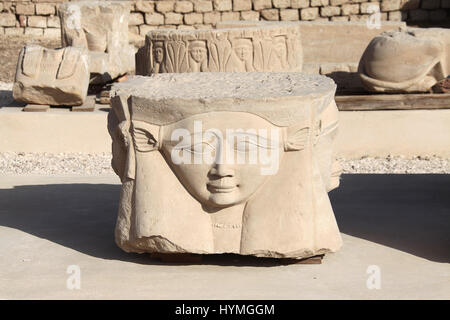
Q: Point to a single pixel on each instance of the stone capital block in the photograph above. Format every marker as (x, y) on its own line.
(177, 140)
(53, 77)
(413, 60)
(257, 47)
(110, 53)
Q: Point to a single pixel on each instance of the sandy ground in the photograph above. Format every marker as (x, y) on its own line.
(396, 225)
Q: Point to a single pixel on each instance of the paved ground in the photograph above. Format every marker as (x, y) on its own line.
(399, 223)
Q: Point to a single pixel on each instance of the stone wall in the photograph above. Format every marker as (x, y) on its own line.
(38, 17)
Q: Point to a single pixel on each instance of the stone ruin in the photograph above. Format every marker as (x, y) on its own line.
(413, 60)
(183, 146)
(94, 47)
(269, 47)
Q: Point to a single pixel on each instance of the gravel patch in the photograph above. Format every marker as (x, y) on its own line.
(100, 163)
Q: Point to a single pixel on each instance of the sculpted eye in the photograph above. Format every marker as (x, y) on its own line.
(198, 148)
(245, 145)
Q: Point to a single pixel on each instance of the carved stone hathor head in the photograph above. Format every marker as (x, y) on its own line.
(223, 163)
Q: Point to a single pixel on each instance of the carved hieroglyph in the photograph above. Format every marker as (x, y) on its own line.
(53, 77)
(225, 163)
(102, 28)
(263, 48)
(413, 60)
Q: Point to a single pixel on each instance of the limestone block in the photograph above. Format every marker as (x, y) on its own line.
(165, 6)
(7, 20)
(330, 11)
(53, 22)
(37, 21)
(223, 5)
(136, 19)
(102, 28)
(154, 18)
(184, 6)
(34, 31)
(270, 14)
(281, 4)
(262, 4)
(289, 15)
(297, 4)
(348, 9)
(390, 5)
(53, 77)
(211, 17)
(242, 5)
(319, 3)
(52, 32)
(406, 61)
(25, 8)
(309, 13)
(173, 18)
(225, 163)
(45, 9)
(145, 6)
(249, 15)
(261, 47)
(203, 6)
(230, 16)
(193, 18)
(14, 31)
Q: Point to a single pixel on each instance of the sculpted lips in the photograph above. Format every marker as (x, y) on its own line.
(221, 186)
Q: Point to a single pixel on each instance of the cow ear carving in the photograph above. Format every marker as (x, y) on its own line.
(145, 136)
(297, 139)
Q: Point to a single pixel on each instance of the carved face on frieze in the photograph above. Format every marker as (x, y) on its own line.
(158, 52)
(243, 49)
(197, 50)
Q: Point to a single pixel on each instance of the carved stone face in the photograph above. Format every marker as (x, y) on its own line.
(243, 49)
(158, 53)
(198, 54)
(218, 181)
(280, 47)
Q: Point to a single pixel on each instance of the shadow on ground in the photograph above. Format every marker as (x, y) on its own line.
(406, 212)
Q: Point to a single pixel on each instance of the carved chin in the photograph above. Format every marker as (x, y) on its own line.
(224, 199)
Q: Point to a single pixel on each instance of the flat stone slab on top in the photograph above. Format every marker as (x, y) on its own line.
(181, 191)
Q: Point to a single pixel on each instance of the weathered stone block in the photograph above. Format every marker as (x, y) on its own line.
(37, 22)
(211, 17)
(14, 31)
(250, 15)
(203, 6)
(154, 18)
(262, 4)
(390, 5)
(52, 32)
(144, 29)
(7, 20)
(165, 6)
(25, 8)
(53, 22)
(38, 32)
(193, 18)
(242, 5)
(136, 19)
(340, 18)
(173, 18)
(319, 3)
(338, 2)
(370, 7)
(270, 14)
(184, 6)
(348, 9)
(297, 4)
(281, 4)
(289, 15)
(230, 16)
(406, 61)
(223, 5)
(309, 13)
(145, 6)
(258, 47)
(330, 11)
(110, 54)
(203, 204)
(45, 9)
(53, 77)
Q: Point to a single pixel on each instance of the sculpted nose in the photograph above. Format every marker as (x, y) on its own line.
(221, 171)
